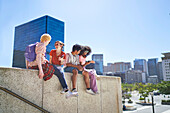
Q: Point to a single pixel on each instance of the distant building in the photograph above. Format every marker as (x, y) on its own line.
(107, 69)
(117, 67)
(98, 58)
(121, 66)
(160, 72)
(133, 76)
(109, 64)
(141, 64)
(152, 66)
(30, 32)
(144, 77)
(127, 66)
(121, 75)
(166, 66)
(153, 79)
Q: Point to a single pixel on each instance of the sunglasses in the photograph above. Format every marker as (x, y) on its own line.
(58, 44)
(86, 51)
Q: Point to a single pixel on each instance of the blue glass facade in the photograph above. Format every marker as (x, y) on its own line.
(141, 64)
(152, 66)
(31, 32)
(160, 71)
(98, 58)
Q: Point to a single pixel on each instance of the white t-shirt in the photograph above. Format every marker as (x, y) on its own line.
(73, 59)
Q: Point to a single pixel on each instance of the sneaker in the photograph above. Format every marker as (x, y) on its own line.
(90, 92)
(74, 90)
(71, 94)
(75, 94)
(64, 91)
(97, 92)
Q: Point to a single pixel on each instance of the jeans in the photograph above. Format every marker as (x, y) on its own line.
(70, 69)
(60, 76)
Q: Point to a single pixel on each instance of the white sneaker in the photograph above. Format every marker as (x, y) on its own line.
(71, 94)
(90, 92)
(97, 92)
(75, 94)
(64, 91)
(74, 91)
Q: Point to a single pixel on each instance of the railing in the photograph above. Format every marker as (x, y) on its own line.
(23, 99)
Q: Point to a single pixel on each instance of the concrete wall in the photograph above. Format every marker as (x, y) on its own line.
(47, 94)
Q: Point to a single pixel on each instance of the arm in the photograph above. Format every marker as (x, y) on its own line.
(39, 50)
(62, 59)
(50, 59)
(38, 58)
(68, 58)
(87, 63)
(71, 65)
(79, 67)
(26, 62)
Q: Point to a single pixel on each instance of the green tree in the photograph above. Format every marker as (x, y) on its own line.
(130, 87)
(125, 89)
(151, 87)
(164, 87)
(143, 90)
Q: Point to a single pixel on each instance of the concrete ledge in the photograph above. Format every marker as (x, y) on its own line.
(26, 83)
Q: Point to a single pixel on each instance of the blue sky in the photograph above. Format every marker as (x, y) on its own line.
(122, 30)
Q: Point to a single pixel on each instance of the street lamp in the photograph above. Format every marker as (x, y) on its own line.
(152, 102)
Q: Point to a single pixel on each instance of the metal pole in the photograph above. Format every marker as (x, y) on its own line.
(23, 99)
(153, 105)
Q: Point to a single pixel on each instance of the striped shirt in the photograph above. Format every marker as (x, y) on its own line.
(73, 59)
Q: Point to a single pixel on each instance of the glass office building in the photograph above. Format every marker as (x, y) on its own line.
(152, 66)
(98, 58)
(141, 64)
(31, 32)
(160, 72)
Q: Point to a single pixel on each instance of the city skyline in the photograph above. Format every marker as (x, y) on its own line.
(150, 71)
(120, 30)
(109, 63)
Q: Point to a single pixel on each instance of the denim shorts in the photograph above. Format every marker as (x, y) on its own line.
(70, 69)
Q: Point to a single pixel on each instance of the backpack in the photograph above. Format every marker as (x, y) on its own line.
(30, 54)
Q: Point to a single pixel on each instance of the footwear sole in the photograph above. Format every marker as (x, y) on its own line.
(73, 95)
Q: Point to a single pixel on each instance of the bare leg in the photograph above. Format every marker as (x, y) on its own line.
(86, 79)
(74, 78)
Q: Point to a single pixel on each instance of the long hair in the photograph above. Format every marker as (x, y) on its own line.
(85, 48)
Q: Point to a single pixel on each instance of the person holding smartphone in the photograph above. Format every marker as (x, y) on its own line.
(85, 51)
(57, 59)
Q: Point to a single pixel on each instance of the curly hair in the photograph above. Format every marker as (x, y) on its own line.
(85, 48)
(45, 37)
